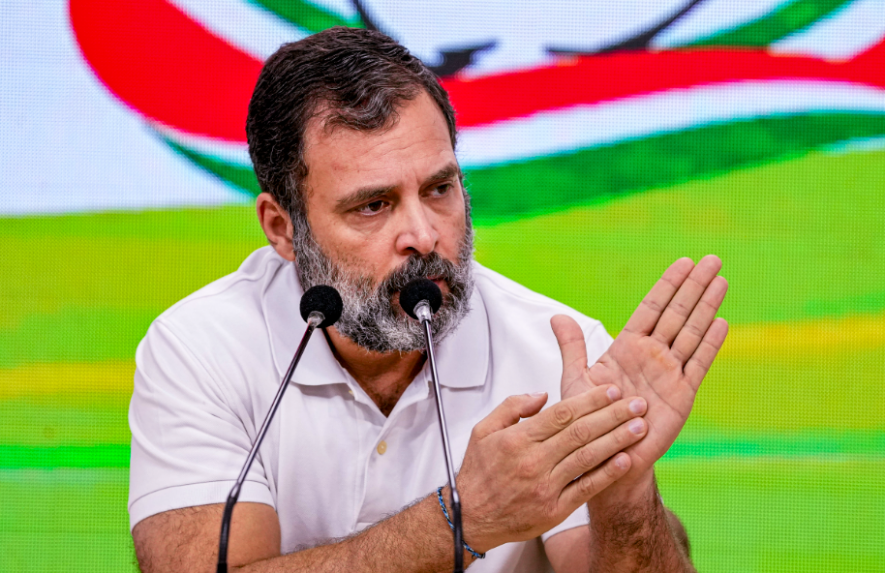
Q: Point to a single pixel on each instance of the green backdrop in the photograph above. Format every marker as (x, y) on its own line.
(781, 465)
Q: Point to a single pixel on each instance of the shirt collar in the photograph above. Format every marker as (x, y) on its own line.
(462, 357)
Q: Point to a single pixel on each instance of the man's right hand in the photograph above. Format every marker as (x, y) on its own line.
(520, 480)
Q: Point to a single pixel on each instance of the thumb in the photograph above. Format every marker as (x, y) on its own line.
(509, 412)
(573, 348)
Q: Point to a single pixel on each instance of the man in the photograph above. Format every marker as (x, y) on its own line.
(352, 140)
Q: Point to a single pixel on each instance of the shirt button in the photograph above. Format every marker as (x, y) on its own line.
(382, 447)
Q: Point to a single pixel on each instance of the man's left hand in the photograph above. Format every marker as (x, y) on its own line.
(662, 354)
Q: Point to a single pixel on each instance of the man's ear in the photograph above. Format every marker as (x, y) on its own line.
(277, 225)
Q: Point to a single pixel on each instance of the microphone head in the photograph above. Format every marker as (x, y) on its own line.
(324, 299)
(418, 290)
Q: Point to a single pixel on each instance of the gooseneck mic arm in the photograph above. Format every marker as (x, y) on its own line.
(320, 307)
(423, 312)
(420, 299)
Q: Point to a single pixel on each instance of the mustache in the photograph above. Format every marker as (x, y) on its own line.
(432, 266)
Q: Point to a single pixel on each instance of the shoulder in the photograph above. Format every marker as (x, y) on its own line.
(243, 286)
(226, 302)
(222, 319)
(508, 302)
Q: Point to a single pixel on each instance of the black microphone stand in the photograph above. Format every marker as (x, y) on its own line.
(314, 320)
(424, 314)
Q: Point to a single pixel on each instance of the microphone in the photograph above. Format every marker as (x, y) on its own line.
(421, 298)
(320, 307)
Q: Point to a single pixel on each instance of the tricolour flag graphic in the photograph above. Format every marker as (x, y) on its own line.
(585, 126)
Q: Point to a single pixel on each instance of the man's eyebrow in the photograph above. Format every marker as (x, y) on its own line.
(362, 195)
(449, 171)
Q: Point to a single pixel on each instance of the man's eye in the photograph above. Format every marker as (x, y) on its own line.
(443, 189)
(373, 207)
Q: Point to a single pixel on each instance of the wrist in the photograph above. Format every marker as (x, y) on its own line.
(471, 532)
(642, 491)
(456, 516)
(630, 530)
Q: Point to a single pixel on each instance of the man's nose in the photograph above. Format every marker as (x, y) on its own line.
(417, 232)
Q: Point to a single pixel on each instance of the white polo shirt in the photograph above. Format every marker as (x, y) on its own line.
(331, 464)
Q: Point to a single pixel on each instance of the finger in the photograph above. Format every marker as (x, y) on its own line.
(699, 363)
(559, 416)
(686, 298)
(572, 346)
(646, 316)
(509, 413)
(587, 458)
(591, 427)
(699, 322)
(581, 490)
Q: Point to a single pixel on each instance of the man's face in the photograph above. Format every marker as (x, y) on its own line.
(384, 207)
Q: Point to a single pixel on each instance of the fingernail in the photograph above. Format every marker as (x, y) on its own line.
(613, 393)
(536, 394)
(621, 462)
(637, 406)
(637, 426)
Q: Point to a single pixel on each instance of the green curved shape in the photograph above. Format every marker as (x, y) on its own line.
(306, 15)
(240, 177)
(781, 22)
(597, 174)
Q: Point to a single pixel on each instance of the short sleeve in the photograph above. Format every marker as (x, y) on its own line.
(188, 444)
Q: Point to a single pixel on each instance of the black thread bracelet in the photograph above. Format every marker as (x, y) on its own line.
(442, 504)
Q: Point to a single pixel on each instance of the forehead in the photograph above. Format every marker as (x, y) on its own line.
(415, 144)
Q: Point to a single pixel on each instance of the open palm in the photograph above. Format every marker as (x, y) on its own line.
(662, 355)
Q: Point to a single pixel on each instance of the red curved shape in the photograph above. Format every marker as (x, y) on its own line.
(594, 79)
(874, 55)
(172, 70)
(166, 66)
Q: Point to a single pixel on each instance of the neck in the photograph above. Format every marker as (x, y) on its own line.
(383, 376)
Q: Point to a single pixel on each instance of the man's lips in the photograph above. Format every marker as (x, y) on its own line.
(441, 283)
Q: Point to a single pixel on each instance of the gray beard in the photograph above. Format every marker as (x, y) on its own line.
(372, 317)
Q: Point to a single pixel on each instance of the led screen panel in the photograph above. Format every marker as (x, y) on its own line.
(600, 141)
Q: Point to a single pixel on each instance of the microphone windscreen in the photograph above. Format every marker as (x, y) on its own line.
(418, 290)
(324, 299)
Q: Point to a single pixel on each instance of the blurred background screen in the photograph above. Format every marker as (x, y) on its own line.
(600, 140)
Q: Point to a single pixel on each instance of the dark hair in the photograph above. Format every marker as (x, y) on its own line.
(360, 76)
